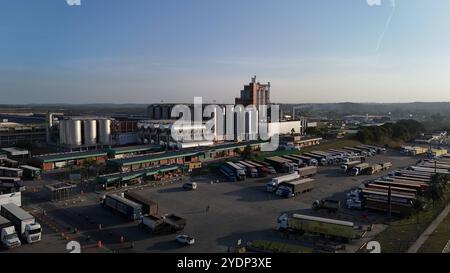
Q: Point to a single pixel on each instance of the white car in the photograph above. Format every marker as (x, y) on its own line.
(185, 240)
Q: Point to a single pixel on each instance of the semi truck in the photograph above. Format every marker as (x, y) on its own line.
(296, 160)
(165, 224)
(130, 210)
(262, 170)
(292, 188)
(331, 159)
(238, 171)
(347, 167)
(281, 165)
(307, 160)
(269, 167)
(273, 184)
(228, 173)
(309, 171)
(322, 160)
(332, 206)
(8, 233)
(360, 169)
(317, 226)
(148, 206)
(252, 171)
(25, 224)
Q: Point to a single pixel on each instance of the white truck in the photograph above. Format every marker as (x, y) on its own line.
(25, 224)
(9, 236)
(272, 185)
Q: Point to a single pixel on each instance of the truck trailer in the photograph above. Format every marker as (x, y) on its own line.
(25, 224)
(317, 226)
(292, 188)
(127, 208)
(148, 206)
(273, 184)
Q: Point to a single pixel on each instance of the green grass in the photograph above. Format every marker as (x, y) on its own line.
(277, 247)
(437, 241)
(402, 233)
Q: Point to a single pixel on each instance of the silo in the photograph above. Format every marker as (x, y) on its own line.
(104, 129)
(90, 132)
(62, 132)
(67, 131)
(75, 133)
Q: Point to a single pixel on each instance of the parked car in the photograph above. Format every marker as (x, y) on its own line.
(190, 186)
(185, 240)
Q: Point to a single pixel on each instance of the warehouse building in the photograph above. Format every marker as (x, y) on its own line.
(62, 160)
(192, 158)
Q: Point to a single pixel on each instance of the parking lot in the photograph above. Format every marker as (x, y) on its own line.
(239, 210)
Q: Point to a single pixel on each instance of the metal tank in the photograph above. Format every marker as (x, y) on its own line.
(67, 131)
(90, 132)
(75, 133)
(104, 129)
(62, 132)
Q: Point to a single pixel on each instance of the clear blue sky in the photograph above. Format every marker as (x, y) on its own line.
(151, 50)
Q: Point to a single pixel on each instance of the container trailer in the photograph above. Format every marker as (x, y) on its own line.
(127, 208)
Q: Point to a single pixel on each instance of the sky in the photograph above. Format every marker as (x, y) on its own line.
(146, 51)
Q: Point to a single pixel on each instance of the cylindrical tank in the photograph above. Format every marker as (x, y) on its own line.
(62, 132)
(104, 129)
(75, 133)
(90, 132)
(67, 131)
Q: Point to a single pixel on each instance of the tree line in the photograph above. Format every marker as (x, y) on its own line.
(403, 130)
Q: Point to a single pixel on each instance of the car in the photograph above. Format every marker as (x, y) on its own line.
(185, 240)
(190, 186)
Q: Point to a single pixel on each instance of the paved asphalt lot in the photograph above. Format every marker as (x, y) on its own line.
(241, 210)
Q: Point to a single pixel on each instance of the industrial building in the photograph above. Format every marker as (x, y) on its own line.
(61, 160)
(255, 94)
(12, 133)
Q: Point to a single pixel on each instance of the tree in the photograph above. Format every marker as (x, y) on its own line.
(436, 188)
(247, 153)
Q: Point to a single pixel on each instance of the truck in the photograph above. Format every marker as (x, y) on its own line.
(332, 206)
(292, 188)
(25, 224)
(296, 160)
(237, 171)
(373, 169)
(309, 171)
(331, 159)
(169, 223)
(252, 171)
(307, 160)
(360, 169)
(130, 210)
(166, 223)
(281, 165)
(148, 206)
(228, 173)
(347, 167)
(330, 228)
(14, 197)
(263, 171)
(8, 233)
(270, 168)
(31, 172)
(273, 184)
(11, 172)
(322, 160)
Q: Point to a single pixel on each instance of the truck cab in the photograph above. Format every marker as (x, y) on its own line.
(284, 191)
(33, 233)
(282, 222)
(9, 237)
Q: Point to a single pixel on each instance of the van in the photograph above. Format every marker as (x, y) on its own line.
(190, 186)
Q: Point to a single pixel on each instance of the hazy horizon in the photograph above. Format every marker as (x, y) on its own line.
(151, 51)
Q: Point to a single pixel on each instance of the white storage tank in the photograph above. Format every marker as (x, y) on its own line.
(104, 130)
(90, 132)
(75, 133)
